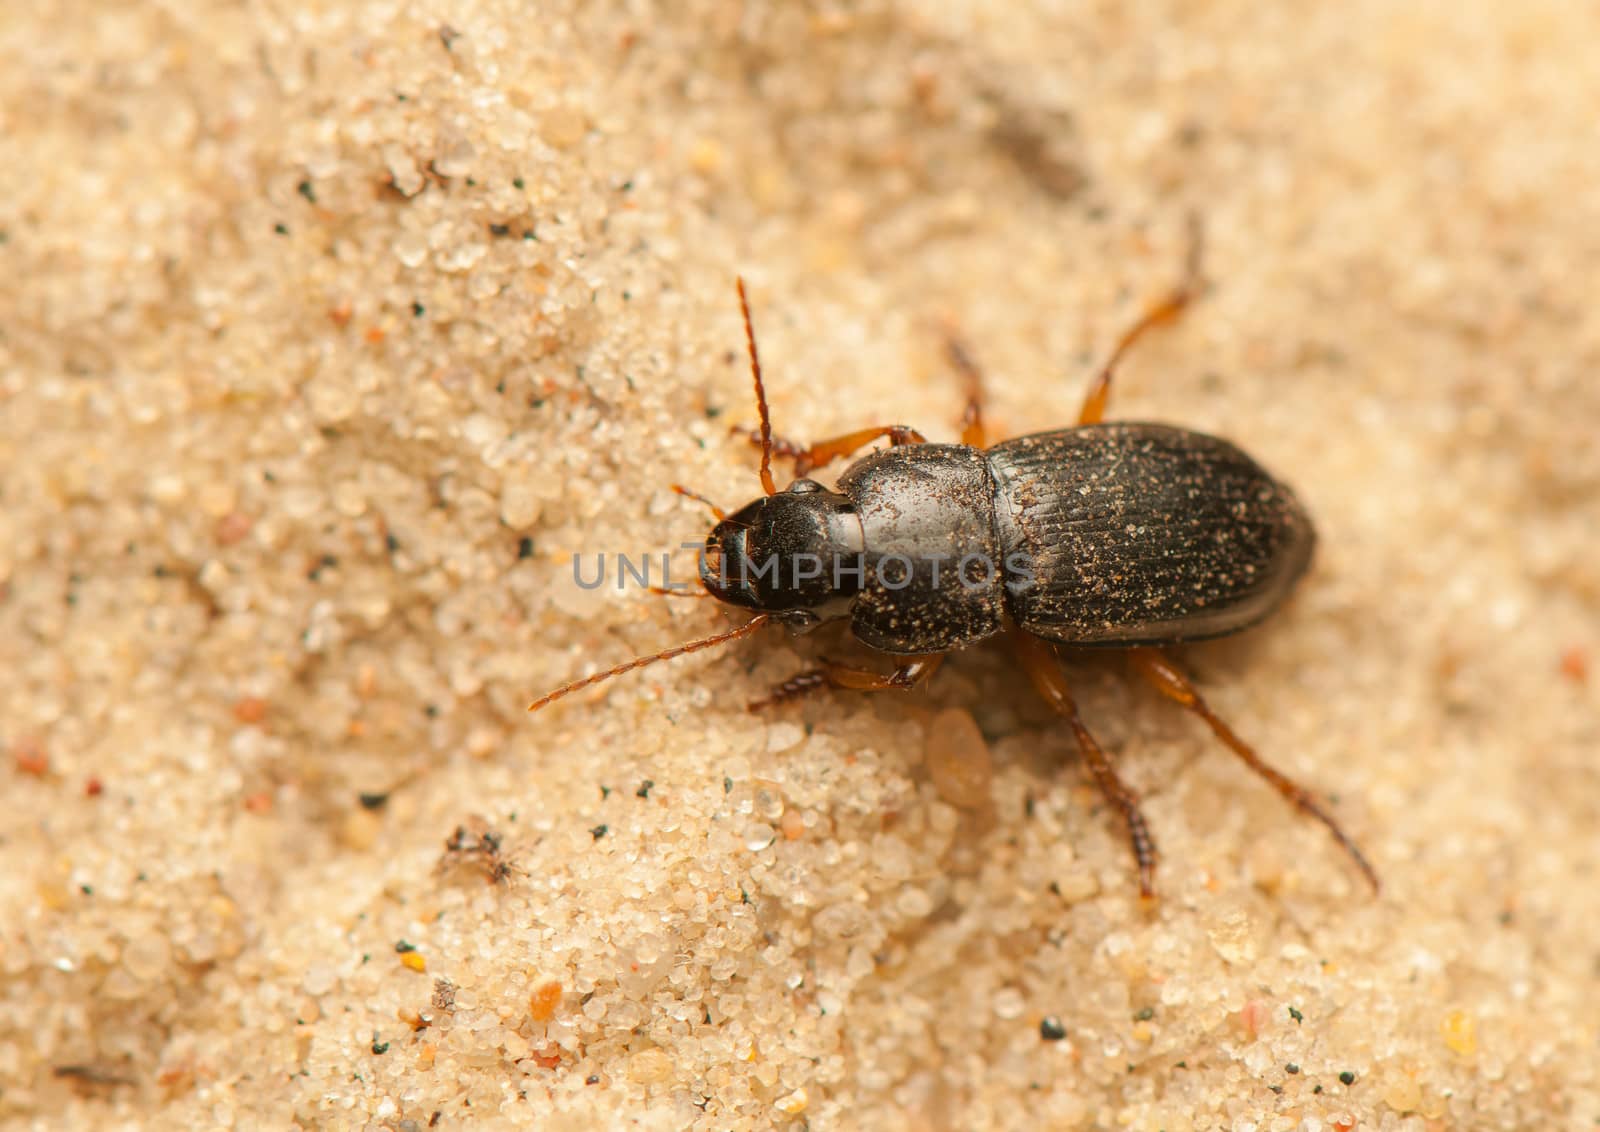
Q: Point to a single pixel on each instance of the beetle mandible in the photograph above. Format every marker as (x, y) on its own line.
(1131, 536)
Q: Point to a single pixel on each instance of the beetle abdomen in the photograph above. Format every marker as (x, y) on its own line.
(1142, 534)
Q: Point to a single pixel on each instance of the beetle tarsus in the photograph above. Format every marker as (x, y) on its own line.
(1159, 671)
(1161, 313)
(782, 449)
(800, 684)
(972, 429)
(1039, 661)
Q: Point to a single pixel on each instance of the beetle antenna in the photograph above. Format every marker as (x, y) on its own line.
(698, 498)
(639, 662)
(767, 483)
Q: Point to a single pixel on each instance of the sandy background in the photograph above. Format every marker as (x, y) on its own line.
(328, 333)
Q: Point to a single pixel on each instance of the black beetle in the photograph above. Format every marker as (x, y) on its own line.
(1132, 536)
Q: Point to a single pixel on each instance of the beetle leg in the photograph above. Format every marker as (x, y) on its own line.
(1165, 677)
(808, 458)
(1163, 312)
(800, 684)
(831, 675)
(781, 449)
(1039, 660)
(972, 431)
(827, 451)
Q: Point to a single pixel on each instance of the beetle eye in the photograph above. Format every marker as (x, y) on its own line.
(804, 487)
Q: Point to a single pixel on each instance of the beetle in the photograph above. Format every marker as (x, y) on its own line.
(1133, 536)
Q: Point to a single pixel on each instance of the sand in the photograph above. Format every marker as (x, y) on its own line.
(329, 333)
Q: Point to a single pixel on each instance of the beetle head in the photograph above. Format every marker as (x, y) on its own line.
(795, 555)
